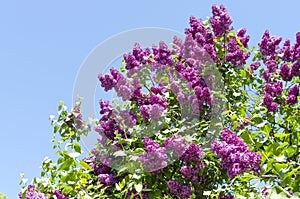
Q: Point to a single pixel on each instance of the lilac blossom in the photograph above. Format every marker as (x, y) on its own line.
(180, 190)
(176, 143)
(235, 154)
(269, 45)
(162, 54)
(32, 193)
(241, 33)
(107, 179)
(255, 65)
(155, 157)
(269, 103)
(285, 72)
(192, 153)
(220, 21)
(189, 173)
(135, 60)
(235, 54)
(129, 118)
(293, 94)
(295, 71)
(60, 195)
(287, 51)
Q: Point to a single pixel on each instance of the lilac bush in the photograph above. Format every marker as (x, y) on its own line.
(203, 91)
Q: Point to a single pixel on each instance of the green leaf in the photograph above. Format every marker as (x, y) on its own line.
(281, 135)
(77, 148)
(85, 165)
(139, 150)
(279, 166)
(67, 189)
(267, 129)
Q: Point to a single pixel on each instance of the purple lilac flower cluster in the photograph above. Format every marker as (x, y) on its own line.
(108, 125)
(180, 190)
(176, 143)
(235, 54)
(128, 118)
(151, 106)
(272, 56)
(220, 21)
(155, 158)
(293, 95)
(107, 179)
(285, 72)
(291, 53)
(235, 154)
(288, 53)
(32, 193)
(162, 56)
(271, 91)
(187, 152)
(269, 46)
(221, 25)
(192, 153)
(102, 171)
(136, 59)
(116, 80)
(60, 195)
(189, 69)
(255, 65)
(154, 105)
(75, 118)
(190, 173)
(98, 167)
(244, 39)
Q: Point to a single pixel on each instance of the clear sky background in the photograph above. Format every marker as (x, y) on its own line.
(43, 44)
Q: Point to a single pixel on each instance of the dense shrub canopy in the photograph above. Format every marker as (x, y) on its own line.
(208, 118)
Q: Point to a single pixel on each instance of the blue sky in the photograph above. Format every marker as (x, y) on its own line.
(43, 44)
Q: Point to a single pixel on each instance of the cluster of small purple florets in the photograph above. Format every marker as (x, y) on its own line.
(271, 91)
(189, 153)
(156, 156)
(75, 118)
(293, 94)
(151, 106)
(180, 190)
(108, 125)
(235, 154)
(32, 193)
(60, 195)
(221, 25)
(190, 173)
(272, 56)
(102, 171)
